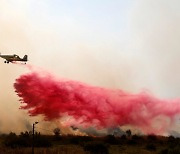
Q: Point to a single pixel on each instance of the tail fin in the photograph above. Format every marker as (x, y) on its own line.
(25, 58)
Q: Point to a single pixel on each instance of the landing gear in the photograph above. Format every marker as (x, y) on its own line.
(4, 61)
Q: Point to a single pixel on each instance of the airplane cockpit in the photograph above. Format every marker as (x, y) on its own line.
(16, 56)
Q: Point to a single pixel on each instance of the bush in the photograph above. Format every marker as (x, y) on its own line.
(25, 140)
(173, 142)
(136, 137)
(152, 137)
(151, 147)
(111, 139)
(131, 142)
(128, 132)
(79, 139)
(42, 141)
(175, 150)
(11, 140)
(123, 137)
(96, 148)
(75, 140)
(57, 131)
(171, 138)
(164, 151)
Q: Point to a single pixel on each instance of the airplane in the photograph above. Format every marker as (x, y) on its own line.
(13, 58)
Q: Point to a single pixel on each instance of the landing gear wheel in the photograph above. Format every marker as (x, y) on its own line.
(8, 62)
(4, 61)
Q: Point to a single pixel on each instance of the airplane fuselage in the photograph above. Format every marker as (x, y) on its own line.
(12, 58)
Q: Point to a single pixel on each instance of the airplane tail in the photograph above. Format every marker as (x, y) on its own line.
(25, 58)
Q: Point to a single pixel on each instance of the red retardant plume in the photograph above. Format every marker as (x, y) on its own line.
(86, 106)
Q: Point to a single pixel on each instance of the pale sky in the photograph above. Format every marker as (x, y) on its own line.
(130, 45)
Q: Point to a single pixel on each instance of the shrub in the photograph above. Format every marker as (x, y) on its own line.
(175, 150)
(111, 139)
(151, 147)
(131, 142)
(152, 137)
(25, 140)
(123, 137)
(136, 137)
(57, 132)
(164, 151)
(128, 132)
(11, 140)
(42, 141)
(96, 148)
(75, 140)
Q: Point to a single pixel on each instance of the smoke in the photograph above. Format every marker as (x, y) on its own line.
(154, 38)
(78, 104)
(106, 44)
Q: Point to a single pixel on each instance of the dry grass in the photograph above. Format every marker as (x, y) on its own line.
(116, 149)
(75, 149)
(110, 144)
(64, 149)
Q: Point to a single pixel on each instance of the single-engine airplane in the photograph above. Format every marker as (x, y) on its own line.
(13, 58)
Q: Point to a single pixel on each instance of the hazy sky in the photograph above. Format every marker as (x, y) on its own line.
(130, 45)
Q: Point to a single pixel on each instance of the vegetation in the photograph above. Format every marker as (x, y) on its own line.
(67, 144)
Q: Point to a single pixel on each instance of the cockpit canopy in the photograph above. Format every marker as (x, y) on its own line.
(16, 56)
